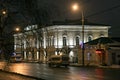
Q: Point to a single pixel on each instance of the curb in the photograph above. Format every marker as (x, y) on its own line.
(98, 66)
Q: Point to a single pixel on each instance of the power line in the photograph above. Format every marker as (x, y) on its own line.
(103, 11)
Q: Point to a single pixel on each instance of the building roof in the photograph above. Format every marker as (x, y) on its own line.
(116, 38)
(76, 22)
(101, 40)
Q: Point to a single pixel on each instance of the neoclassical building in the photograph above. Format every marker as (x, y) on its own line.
(38, 43)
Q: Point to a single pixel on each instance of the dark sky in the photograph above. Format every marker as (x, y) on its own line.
(98, 11)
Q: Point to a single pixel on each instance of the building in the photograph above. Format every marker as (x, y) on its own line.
(114, 51)
(39, 43)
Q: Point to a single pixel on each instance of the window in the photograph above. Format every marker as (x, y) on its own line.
(101, 35)
(64, 41)
(77, 40)
(89, 38)
(52, 40)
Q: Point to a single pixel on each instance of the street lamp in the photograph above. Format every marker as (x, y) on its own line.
(3, 12)
(75, 7)
(17, 29)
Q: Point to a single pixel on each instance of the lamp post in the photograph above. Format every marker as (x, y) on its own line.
(75, 8)
(2, 18)
(83, 48)
(2, 15)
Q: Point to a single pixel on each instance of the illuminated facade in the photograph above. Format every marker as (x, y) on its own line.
(38, 44)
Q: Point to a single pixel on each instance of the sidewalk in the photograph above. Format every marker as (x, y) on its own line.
(80, 65)
(5, 75)
(112, 66)
(100, 66)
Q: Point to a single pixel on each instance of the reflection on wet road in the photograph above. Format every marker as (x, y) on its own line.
(62, 73)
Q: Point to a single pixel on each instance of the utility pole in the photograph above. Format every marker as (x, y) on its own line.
(83, 47)
(75, 7)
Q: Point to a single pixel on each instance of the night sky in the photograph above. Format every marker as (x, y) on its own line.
(97, 11)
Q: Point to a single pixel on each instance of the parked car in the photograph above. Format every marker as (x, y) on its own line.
(59, 60)
(15, 59)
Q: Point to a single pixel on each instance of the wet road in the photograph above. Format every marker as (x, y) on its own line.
(62, 73)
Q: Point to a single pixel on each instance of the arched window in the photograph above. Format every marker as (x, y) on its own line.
(101, 35)
(89, 38)
(77, 40)
(64, 41)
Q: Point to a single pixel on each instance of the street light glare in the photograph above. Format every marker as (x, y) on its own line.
(75, 7)
(3, 12)
(17, 29)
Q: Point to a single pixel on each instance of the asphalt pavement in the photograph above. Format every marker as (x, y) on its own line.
(5, 75)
